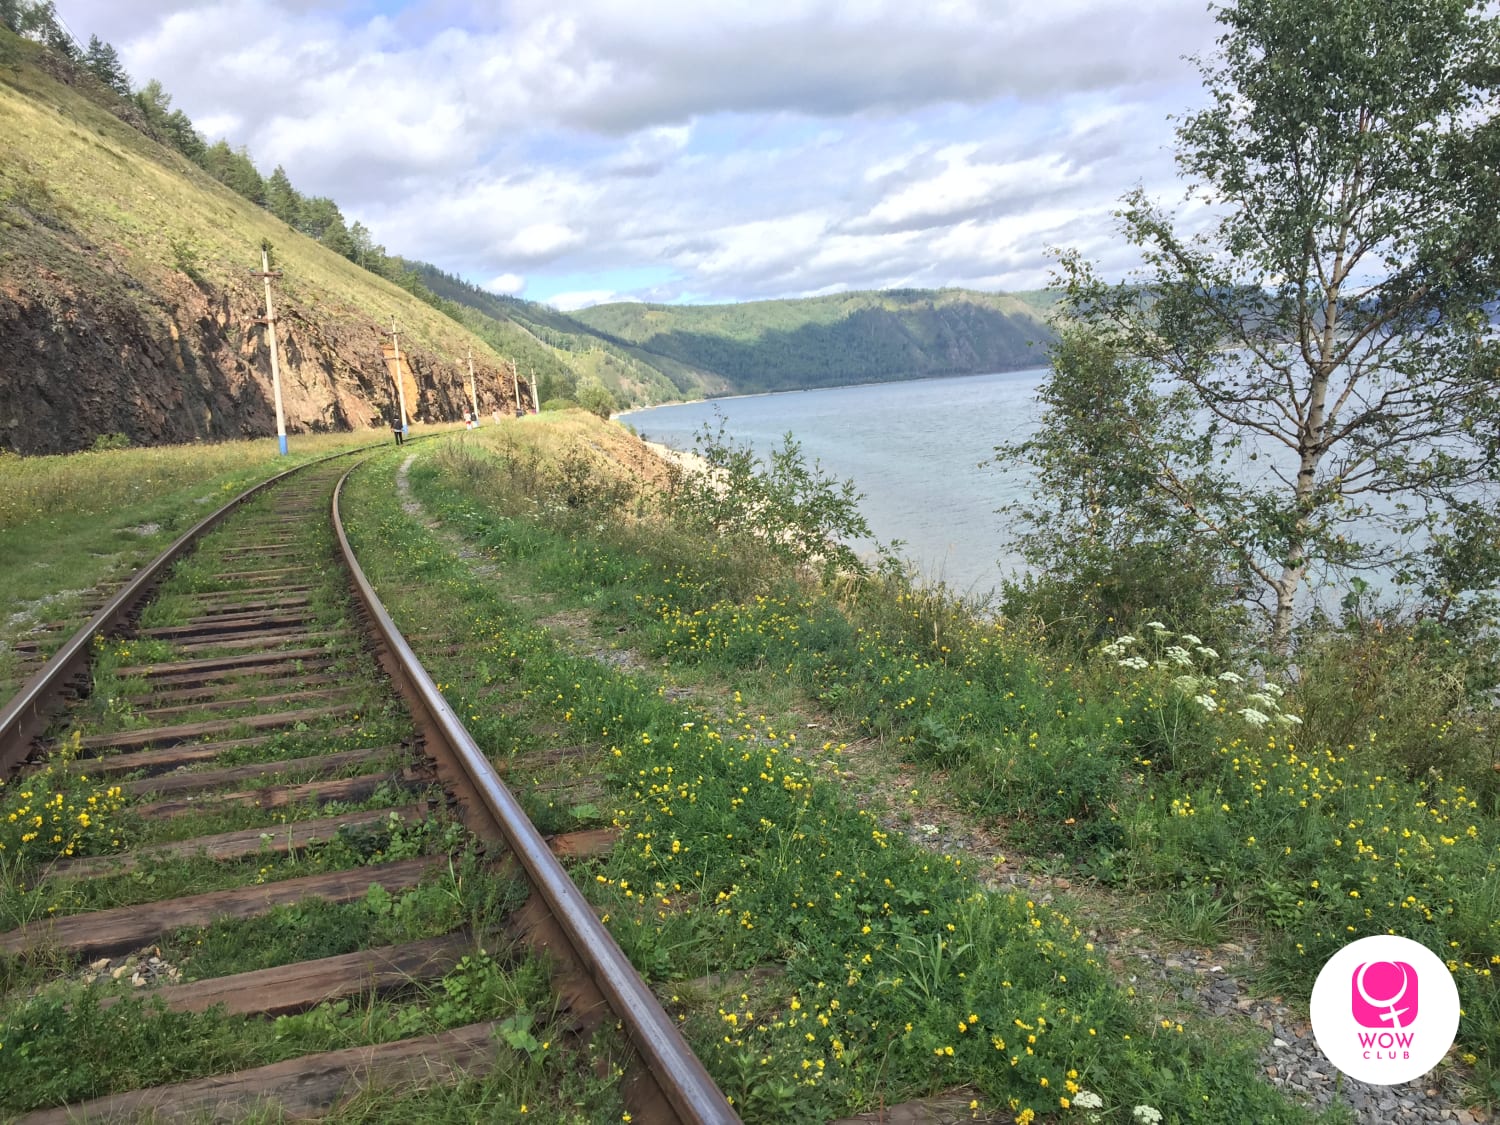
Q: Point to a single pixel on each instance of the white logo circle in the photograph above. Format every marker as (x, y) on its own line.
(1384, 1010)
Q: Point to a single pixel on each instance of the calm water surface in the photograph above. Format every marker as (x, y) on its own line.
(921, 452)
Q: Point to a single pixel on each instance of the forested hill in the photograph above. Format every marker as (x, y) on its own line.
(647, 353)
(633, 376)
(843, 338)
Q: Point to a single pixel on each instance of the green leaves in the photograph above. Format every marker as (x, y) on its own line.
(1329, 319)
(795, 510)
(515, 1032)
(1115, 531)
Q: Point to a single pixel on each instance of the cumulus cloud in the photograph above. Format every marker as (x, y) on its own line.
(582, 298)
(738, 149)
(507, 284)
(965, 188)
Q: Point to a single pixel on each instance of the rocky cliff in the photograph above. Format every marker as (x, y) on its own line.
(90, 350)
(128, 305)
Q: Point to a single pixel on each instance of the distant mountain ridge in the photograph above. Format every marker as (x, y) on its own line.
(860, 336)
(650, 352)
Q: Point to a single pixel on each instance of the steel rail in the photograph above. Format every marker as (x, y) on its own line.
(33, 706)
(678, 1072)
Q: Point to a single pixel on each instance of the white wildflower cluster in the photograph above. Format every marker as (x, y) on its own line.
(1190, 658)
(1090, 1103)
(1119, 647)
(1179, 656)
(1146, 1115)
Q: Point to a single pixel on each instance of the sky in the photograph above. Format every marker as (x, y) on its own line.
(582, 151)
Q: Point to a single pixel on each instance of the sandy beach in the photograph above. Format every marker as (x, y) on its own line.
(691, 462)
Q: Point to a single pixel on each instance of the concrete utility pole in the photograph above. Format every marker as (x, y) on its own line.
(269, 320)
(515, 384)
(473, 389)
(400, 382)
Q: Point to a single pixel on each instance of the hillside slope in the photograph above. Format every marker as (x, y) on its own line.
(634, 376)
(127, 303)
(843, 338)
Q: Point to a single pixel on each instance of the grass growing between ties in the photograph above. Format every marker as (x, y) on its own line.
(70, 523)
(157, 878)
(63, 1042)
(69, 1034)
(1150, 763)
(884, 972)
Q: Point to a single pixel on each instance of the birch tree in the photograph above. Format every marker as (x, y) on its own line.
(1323, 336)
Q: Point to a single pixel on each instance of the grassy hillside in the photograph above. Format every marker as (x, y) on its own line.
(75, 167)
(847, 337)
(127, 305)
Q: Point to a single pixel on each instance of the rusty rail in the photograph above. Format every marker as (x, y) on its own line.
(682, 1079)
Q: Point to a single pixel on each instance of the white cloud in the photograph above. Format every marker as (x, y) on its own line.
(649, 151)
(884, 168)
(965, 186)
(543, 240)
(736, 149)
(507, 284)
(582, 299)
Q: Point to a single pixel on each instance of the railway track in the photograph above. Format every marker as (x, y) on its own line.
(241, 817)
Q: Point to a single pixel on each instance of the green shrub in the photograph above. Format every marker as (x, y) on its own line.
(1404, 696)
(106, 442)
(1086, 601)
(597, 399)
(797, 510)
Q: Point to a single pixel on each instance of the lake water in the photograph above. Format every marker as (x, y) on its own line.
(921, 452)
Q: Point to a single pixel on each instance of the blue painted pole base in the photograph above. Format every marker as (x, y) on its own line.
(282, 439)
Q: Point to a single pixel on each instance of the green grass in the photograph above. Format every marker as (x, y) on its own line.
(63, 1045)
(1223, 818)
(160, 878)
(737, 853)
(50, 1021)
(68, 524)
(466, 894)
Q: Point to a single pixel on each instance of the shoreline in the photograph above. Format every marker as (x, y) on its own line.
(684, 459)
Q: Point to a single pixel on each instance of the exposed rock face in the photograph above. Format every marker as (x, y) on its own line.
(86, 350)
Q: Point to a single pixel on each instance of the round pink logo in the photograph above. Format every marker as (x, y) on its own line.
(1394, 982)
(1384, 1010)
